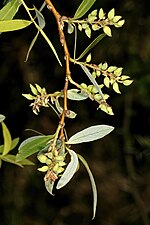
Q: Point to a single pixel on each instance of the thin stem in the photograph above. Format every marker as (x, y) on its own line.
(60, 25)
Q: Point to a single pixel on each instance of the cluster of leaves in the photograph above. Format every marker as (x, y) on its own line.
(59, 161)
(95, 21)
(8, 146)
(53, 154)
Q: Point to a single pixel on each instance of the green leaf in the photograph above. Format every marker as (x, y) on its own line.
(93, 43)
(9, 10)
(76, 95)
(12, 159)
(14, 143)
(90, 134)
(83, 8)
(69, 171)
(11, 25)
(1, 148)
(87, 72)
(42, 32)
(2, 117)
(32, 145)
(41, 22)
(94, 189)
(31, 46)
(7, 139)
(111, 14)
(116, 87)
(107, 31)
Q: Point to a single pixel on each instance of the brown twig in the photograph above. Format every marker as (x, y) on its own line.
(60, 25)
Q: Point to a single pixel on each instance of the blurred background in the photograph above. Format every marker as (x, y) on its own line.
(120, 162)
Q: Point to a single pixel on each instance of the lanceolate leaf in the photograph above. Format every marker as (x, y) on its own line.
(9, 10)
(94, 189)
(90, 134)
(31, 146)
(69, 171)
(93, 43)
(13, 145)
(87, 72)
(41, 22)
(41, 31)
(12, 159)
(11, 25)
(83, 8)
(7, 139)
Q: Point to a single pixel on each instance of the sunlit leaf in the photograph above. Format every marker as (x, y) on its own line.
(90, 134)
(11, 25)
(94, 189)
(116, 87)
(107, 30)
(87, 72)
(2, 117)
(9, 10)
(127, 82)
(69, 171)
(83, 8)
(77, 95)
(7, 139)
(32, 145)
(1, 148)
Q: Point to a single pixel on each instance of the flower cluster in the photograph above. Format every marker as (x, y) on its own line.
(53, 160)
(97, 20)
(39, 96)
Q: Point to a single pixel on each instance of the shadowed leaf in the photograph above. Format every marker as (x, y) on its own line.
(31, 146)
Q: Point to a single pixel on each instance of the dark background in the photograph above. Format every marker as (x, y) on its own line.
(120, 162)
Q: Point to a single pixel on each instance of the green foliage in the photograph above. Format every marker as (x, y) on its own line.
(54, 150)
(8, 146)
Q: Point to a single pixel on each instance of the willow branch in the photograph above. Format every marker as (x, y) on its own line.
(60, 25)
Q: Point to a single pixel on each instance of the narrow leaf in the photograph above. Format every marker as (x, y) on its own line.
(1, 148)
(7, 139)
(90, 134)
(93, 43)
(83, 8)
(11, 25)
(42, 32)
(9, 10)
(69, 171)
(14, 143)
(2, 117)
(11, 159)
(31, 146)
(94, 189)
(87, 72)
(31, 46)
